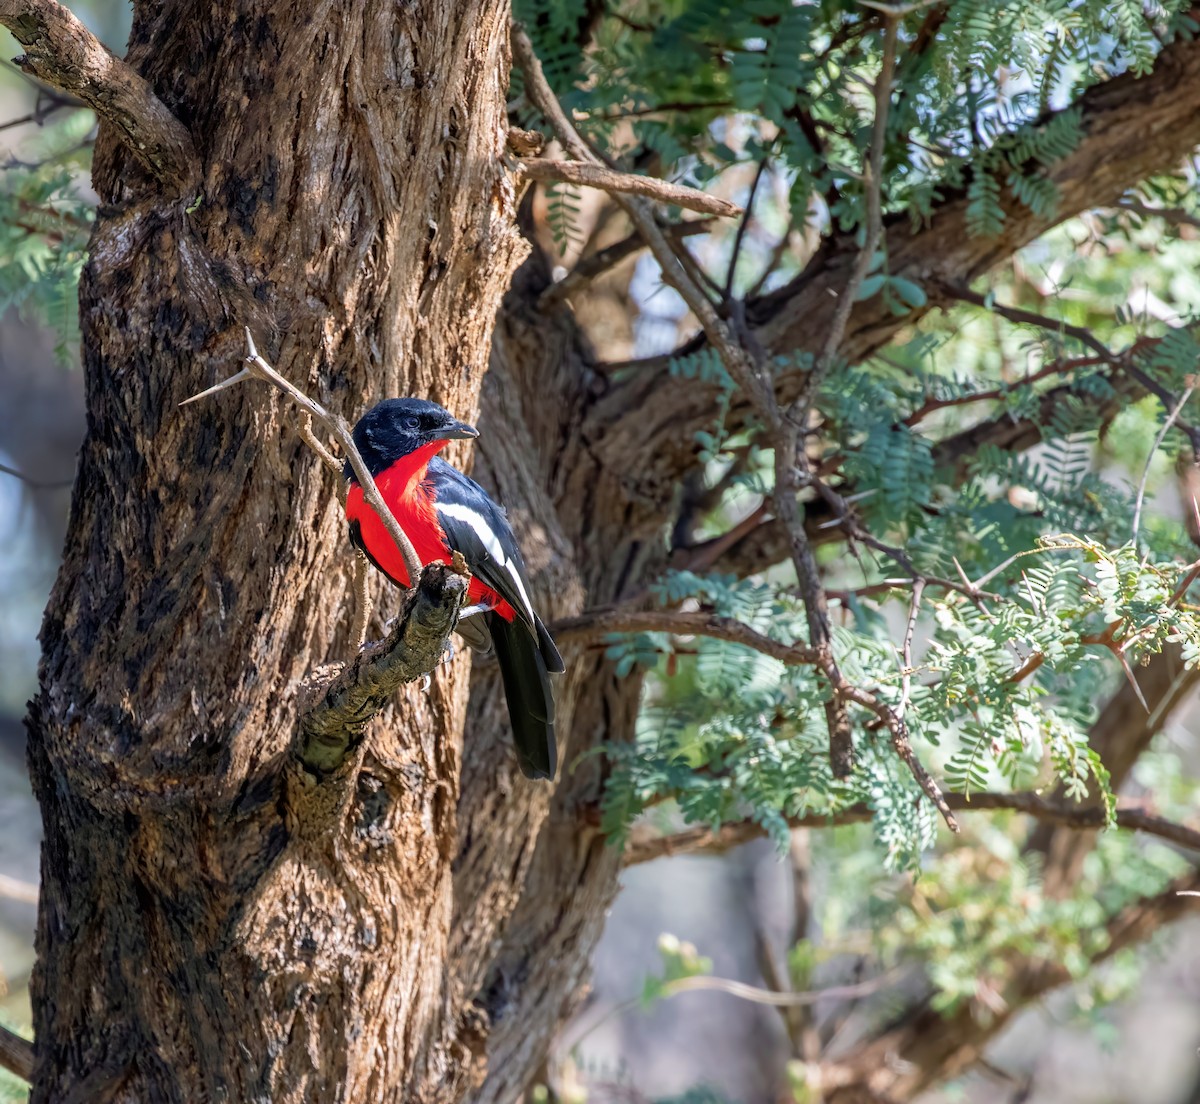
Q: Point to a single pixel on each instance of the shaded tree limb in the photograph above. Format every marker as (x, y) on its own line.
(610, 180)
(61, 51)
(598, 623)
(644, 847)
(16, 1054)
(334, 725)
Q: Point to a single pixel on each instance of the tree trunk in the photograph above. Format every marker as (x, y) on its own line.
(218, 923)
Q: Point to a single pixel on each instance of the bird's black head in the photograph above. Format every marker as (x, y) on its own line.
(396, 427)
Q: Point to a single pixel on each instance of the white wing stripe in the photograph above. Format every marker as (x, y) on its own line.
(483, 531)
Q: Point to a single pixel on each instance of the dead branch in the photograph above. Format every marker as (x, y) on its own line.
(590, 175)
(645, 847)
(61, 51)
(257, 368)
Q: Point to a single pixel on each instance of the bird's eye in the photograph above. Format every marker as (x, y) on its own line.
(412, 423)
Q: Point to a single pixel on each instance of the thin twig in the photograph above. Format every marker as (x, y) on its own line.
(873, 189)
(257, 368)
(743, 227)
(591, 175)
(739, 989)
(1189, 577)
(1176, 410)
(1173, 215)
(36, 484)
(997, 394)
(309, 438)
(914, 608)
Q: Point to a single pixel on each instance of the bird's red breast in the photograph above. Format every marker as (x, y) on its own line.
(410, 497)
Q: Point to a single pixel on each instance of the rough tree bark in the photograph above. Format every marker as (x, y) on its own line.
(218, 922)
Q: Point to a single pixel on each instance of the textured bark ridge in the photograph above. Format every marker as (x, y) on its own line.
(218, 923)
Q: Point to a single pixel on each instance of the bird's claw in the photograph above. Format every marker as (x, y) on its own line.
(426, 682)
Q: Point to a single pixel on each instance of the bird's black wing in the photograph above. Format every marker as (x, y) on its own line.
(475, 526)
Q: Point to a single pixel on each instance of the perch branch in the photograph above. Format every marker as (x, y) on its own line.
(643, 847)
(61, 51)
(257, 368)
(590, 175)
(333, 727)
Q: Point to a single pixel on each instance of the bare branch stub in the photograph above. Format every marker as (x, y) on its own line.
(609, 180)
(61, 51)
(333, 726)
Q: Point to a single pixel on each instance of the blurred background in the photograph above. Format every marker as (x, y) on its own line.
(737, 910)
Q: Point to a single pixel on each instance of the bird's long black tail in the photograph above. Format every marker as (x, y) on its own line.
(523, 666)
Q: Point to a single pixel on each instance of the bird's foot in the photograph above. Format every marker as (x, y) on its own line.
(426, 682)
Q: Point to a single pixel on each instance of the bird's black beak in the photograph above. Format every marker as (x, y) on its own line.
(458, 431)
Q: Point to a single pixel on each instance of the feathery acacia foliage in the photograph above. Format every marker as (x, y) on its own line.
(1047, 600)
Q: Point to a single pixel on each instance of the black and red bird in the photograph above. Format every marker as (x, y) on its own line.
(442, 511)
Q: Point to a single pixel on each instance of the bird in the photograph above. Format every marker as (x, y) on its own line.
(443, 511)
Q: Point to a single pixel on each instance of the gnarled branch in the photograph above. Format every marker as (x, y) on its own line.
(61, 51)
(343, 705)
